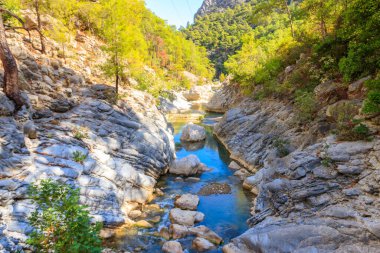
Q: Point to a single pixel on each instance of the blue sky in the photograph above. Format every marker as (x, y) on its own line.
(176, 12)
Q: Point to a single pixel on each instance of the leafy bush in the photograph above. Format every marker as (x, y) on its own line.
(281, 147)
(306, 105)
(349, 128)
(361, 30)
(372, 103)
(79, 157)
(326, 160)
(353, 131)
(60, 223)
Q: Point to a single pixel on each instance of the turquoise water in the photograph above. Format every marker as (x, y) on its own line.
(225, 214)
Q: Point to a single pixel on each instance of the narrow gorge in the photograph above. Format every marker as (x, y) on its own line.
(256, 128)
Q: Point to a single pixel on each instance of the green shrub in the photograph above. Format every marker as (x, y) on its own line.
(349, 128)
(306, 105)
(326, 160)
(372, 103)
(79, 157)
(353, 131)
(60, 223)
(281, 147)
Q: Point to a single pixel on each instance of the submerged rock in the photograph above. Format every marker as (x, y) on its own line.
(193, 133)
(215, 188)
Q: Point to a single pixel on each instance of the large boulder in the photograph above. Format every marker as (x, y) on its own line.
(192, 95)
(185, 217)
(330, 92)
(189, 165)
(356, 90)
(224, 98)
(187, 201)
(173, 102)
(193, 133)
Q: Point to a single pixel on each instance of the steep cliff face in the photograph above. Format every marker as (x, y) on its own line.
(318, 196)
(210, 6)
(123, 147)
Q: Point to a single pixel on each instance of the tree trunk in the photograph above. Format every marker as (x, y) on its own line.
(290, 16)
(117, 84)
(117, 75)
(42, 39)
(11, 82)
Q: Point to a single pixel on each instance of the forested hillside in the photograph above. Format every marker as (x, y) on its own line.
(221, 33)
(275, 48)
(134, 39)
(313, 42)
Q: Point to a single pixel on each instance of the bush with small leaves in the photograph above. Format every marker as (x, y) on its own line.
(306, 105)
(353, 130)
(60, 223)
(372, 103)
(281, 147)
(79, 157)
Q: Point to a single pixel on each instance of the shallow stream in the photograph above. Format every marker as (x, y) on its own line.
(226, 214)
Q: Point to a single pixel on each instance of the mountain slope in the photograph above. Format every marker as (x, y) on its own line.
(210, 6)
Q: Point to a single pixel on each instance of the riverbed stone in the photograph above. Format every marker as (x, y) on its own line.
(201, 244)
(189, 165)
(185, 217)
(172, 247)
(234, 166)
(143, 224)
(165, 233)
(179, 231)
(193, 133)
(187, 201)
(215, 188)
(204, 232)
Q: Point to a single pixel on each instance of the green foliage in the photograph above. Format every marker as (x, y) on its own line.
(263, 54)
(306, 105)
(349, 128)
(325, 158)
(372, 103)
(221, 33)
(281, 147)
(361, 32)
(133, 38)
(79, 157)
(60, 223)
(353, 130)
(337, 38)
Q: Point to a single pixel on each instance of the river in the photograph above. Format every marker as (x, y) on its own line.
(226, 214)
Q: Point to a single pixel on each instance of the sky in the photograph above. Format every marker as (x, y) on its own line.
(175, 12)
